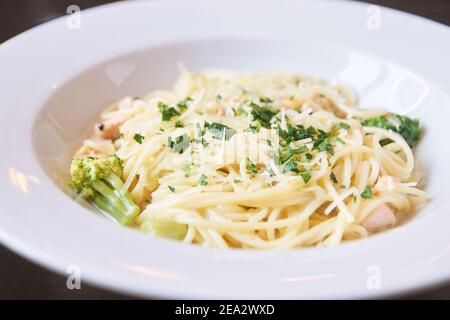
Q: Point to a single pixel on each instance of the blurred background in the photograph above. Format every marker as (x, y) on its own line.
(21, 279)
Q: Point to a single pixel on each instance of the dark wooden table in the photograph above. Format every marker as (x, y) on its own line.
(21, 279)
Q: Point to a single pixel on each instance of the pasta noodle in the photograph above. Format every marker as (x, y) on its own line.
(260, 161)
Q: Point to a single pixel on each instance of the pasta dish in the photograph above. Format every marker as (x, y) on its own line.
(257, 161)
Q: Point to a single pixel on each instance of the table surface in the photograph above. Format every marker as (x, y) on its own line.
(21, 279)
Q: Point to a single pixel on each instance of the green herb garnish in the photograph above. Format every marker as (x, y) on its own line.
(306, 176)
(309, 157)
(385, 142)
(203, 181)
(323, 143)
(251, 167)
(290, 166)
(265, 100)
(340, 140)
(219, 131)
(333, 177)
(285, 153)
(183, 105)
(180, 144)
(167, 112)
(367, 193)
(292, 134)
(263, 115)
(241, 112)
(408, 128)
(340, 126)
(187, 168)
(138, 138)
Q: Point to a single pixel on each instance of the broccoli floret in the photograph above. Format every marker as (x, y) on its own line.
(98, 181)
(408, 128)
(165, 228)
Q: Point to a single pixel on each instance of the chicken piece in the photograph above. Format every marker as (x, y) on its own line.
(379, 219)
(327, 104)
(118, 113)
(221, 112)
(95, 148)
(109, 129)
(292, 104)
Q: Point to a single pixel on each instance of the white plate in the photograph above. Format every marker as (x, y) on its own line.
(54, 81)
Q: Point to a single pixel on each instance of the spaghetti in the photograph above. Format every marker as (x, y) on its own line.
(262, 161)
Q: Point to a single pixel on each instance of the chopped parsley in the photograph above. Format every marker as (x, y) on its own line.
(333, 177)
(187, 168)
(286, 153)
(306, 176)
(179, 124)
(172, 189)
(292, 134)
(308, 157)
(408, 128)
(170, 112)
(237, 181)
(265, 100)
(290, 166)
(167, 112)
(323, 143)
(340, 126)
(385, 142)
(183, 105)
(263, 115)
(252, 128)
(138, 138)
(203, 181)
(367, 193)
(180, 144)
(340, 140)
(251, 167)
(241, 112)
(219, 130)
(379, 122)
